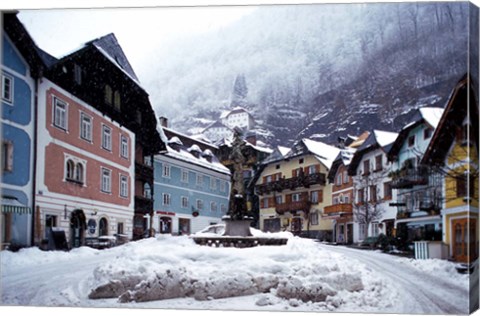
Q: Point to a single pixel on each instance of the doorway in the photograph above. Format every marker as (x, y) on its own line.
(78, 226)
(464, 232)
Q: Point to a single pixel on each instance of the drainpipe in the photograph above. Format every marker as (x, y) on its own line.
(34, 156)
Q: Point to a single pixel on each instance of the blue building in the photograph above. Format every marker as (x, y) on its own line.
(21, 64)
(192, 187)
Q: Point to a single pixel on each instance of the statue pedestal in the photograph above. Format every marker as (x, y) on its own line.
(239, 228)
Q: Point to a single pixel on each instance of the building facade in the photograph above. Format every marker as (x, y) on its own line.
(293, 191)
(418, 189)
(192, 188)
(17, 131)
(372, 190)
(85, 185)
(238, 117)
(453, 154)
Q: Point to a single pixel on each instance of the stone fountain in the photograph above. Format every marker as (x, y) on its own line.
(237, 221)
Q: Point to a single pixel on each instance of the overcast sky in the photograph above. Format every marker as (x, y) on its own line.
(140, 31)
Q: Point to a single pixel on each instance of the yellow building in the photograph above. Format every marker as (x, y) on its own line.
(293, 190)
(453, 152)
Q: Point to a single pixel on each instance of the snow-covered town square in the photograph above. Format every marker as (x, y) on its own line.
(265, 158)
(174, 273)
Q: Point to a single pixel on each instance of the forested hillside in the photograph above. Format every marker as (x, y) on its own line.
(317, 70)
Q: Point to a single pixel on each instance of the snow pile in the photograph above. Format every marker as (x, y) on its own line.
(298, 273)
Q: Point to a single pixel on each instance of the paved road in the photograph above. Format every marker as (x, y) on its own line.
(423, 293)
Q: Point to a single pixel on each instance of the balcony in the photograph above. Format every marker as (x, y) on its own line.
(303, 205)
(304, 181)
(414, 208)
(338, 209)
(143, 205)
(409, 177)
(143, 172)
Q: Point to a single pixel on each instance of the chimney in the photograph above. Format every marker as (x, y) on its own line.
(163, 121)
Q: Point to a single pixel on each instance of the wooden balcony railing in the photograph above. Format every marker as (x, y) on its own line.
(143, 205)
(338, 209)
(291, 183)
(409, 177)
(303, 205)
(143, 172)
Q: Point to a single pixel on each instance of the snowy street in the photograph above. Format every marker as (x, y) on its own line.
(175, 273)
(423, 292)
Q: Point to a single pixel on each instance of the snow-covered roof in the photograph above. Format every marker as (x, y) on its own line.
(384, 138)
(283, 150)
(326, 154)
(187, 156)
(432, 115)
(235, 110)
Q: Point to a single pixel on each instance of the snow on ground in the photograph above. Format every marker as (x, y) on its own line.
(174, 273)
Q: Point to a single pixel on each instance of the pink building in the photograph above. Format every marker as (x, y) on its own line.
(85, 170)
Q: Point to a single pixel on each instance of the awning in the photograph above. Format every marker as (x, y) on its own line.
(12, 205)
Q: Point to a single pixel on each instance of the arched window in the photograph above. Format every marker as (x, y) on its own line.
(116, 100)
(108, 94)
(147, 191)
(79, 173)
(103, 227)
(70, 170)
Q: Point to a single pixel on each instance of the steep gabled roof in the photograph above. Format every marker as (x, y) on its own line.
(324, 153)
(462, 103)
(278, 154)
(429, 116)
(376, 139)
(217, 124)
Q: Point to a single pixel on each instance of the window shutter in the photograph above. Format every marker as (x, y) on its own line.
(288, 198)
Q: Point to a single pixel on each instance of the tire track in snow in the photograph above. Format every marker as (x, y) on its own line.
(422, 293)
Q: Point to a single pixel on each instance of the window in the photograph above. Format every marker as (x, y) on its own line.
(335, 200)
(74, 172)
(200, 204)
(378, 163)
(427, 133)
(268, 179)
(300, 161)
(265, 202)
(86, 127)
(223, 208)
(184, 200)
(59, 113)
(339, 179)
(7, 88)
(124, 146)
(223, 186)
(7, 156)
(360, 196)
(373, 193)
(296, 197)
(119, 228)
(277, 167)
(411, 141)
(166, 199)
(312, 169)
(116, 100)
(106, 138)
(123, 186)
(166, 171)
(213, 206)
(346, 199)
(199, 179)
(77, 73)
(366, 167)
(147, 191)
(108, 94)
(314, 197)
(184, 176)
(375, 229)
(314, 218)
(461, 183)
(346, 179)
(278, 199)
(213, 183)
(361, 231)
(387, 190)
(106, 185)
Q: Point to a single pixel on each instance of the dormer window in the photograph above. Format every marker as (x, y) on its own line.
(117, 100)
(108, 94)
(77, 73)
